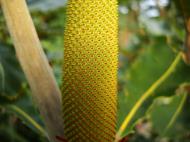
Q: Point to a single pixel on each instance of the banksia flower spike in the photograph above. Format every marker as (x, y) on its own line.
(90, 71)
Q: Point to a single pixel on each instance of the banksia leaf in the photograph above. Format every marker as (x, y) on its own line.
(90, 71)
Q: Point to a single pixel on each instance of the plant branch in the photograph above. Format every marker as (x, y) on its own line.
(186, 14)
(34, 64)
(147, 94)
(28, 118)
(176, 114)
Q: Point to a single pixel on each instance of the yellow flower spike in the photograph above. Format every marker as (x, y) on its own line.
(90, 71)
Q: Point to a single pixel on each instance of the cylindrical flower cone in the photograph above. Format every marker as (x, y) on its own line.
(90, 71)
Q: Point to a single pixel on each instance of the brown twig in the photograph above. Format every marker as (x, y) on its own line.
(185, 6)
(34, 64)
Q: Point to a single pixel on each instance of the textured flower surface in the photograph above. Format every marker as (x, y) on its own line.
(90, 71)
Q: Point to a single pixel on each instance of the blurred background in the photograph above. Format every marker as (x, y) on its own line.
(151, 33)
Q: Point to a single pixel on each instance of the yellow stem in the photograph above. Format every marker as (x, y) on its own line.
(147, 94)
(176, 114)
(28, 118)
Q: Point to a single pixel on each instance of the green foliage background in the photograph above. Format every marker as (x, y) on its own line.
(150, 36)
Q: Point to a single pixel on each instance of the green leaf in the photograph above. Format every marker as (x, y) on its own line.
(164, 112)
(146, 69)
(26, 118)
(11, 74)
